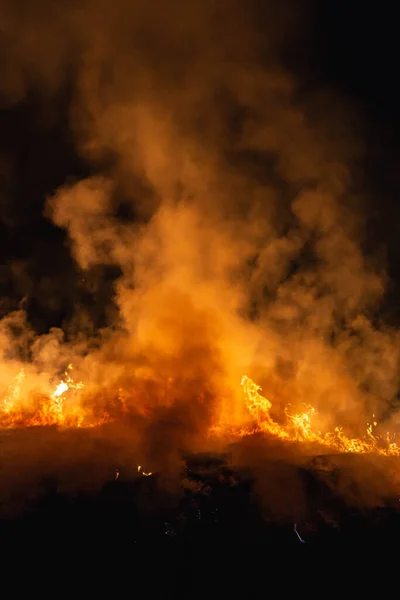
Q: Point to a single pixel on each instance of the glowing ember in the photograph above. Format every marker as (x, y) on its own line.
(140, 470)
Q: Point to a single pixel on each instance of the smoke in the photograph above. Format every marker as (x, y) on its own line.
(223, 197)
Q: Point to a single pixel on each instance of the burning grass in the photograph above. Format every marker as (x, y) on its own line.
(67, 406)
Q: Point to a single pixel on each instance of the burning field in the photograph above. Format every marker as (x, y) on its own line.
(172, 470)
(195, 353)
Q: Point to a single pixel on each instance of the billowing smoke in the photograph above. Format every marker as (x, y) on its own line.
(222, 196)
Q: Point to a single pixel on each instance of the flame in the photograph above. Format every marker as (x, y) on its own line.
(299, 427)
(65, 406)
(140, 470)
(46, 409)
(14, 392)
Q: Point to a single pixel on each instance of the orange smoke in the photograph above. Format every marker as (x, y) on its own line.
(222, 196)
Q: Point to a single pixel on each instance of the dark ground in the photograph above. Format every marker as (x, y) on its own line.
(218, 533)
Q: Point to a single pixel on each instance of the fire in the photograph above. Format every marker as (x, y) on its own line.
(13, 392)
(299, 427)
(64, 406)
(46, 409)
(60, 389)
(142, 472)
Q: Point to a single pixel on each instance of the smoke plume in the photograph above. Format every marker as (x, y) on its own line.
(221, 196)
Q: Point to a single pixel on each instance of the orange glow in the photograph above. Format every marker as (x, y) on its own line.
(47, 409)
(65, 407)
(299, 427)
(141, 472)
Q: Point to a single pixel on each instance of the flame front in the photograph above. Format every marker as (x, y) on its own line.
(65, 407)
(299, 427)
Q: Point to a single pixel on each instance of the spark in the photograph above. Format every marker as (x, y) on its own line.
(298, 535)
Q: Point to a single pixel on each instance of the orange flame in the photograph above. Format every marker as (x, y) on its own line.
(64, 407)
(46, 409)
(140, 470)
(299, 427)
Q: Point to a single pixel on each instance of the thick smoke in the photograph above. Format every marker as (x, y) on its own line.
(223, 196)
